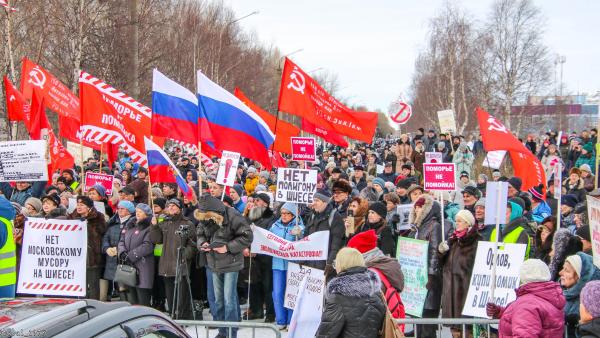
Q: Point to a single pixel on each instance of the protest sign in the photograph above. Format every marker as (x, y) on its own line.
(447, 121)
(296, 185)
(593, 205)
(379, 169)
(315, 279)
(310, 248)
(228, 168)
(494, 158)
(412, 254)
(439, 176)
(53, 258)
(433, 157)
(99, 206)
(23, 161)
(403, 211)
(495, 202)
(307, 312)
(303, 149)
(508, 262)
(91, 179)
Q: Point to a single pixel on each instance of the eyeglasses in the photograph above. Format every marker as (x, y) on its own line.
(286, 213)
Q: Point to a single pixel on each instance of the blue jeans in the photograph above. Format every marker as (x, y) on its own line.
(210, 292)
(227, 306)
(283, 315)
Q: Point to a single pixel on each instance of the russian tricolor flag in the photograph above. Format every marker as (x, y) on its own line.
(162, 170)
(175, 110)
(233, 125)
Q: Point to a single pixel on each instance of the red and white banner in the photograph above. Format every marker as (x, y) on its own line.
(53, 258)
(304, 149)
(301, 95)
(91, 179)
(310, 248)
(110, 116)
(439, 176)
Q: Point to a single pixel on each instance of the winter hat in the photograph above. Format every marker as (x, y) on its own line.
(238, 188)
(480, 202)
(251, 169)
(175, 202)
(414, 187)
(404, 183)
(569, 200)
(265, 197)
(291, 207)
(6, 209)
(379, 208)
(101, 190)
(534, 270)
(322, 197)
(210, 203)
(407, 166)
(343, 185)
(379, 181)
(519, 201)
(364, 241)
(260, 187)
(472, 191)
(127, 205)
(515, 182)
(466, 216)
(576, 263)
(441, 145)
(85, 200)
(589, 296)
(496, 174)
(228, 200)
(585, 167)
(161, 202)
(35, 203)
(464, 174)
(264, 174)
(537, 192)
(420, 202)
(54, 198)
(584, 233)
(145, 208)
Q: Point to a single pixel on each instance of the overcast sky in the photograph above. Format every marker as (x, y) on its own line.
(372, 45)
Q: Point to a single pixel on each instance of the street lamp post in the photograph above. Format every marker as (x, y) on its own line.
(216, 77)
(286, 55)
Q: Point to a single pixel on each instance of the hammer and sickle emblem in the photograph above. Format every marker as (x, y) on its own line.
(495, 125)
(297, 82)
(11, 98)
(37, 77)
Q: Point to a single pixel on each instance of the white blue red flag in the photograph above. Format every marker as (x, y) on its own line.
(162, 169)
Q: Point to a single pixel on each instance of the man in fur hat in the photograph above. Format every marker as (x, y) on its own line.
(223, 234)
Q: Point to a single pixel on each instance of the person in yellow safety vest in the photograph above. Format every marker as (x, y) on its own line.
(69, 176)
(8, 254)
(514, 229)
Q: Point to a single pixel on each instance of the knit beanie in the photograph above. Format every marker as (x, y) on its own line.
(145, 208)
(210, 203)
(127, 205)
(238, 188)
(100, 190)
(379, 208)
(576, 263)
(35, 203)
(161, 202)
(466, 216)
(515, 182)
(364, 241)
(175, 201)
(379, 181)
(322, 197)
(590, 296)
(54, 198)
(291, 207)
(85, 200)
(534, 270)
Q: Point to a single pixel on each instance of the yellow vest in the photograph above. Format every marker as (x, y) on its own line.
(74, 185)
(8, 256)
(513, 237)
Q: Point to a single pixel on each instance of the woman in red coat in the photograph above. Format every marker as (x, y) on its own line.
(538, 309)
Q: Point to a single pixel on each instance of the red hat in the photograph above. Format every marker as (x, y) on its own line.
(364, 241)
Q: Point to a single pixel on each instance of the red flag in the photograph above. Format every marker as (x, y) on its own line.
(110, 116)
(301, 95)
(283, 130)
(496, 137)
(327, 135)
(57, 96)
(277, 160)
(15, 103)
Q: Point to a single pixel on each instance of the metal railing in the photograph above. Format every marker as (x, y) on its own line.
(213, 325)
(470, 324)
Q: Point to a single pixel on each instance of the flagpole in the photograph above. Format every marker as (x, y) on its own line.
(81, 156)
(101, 153)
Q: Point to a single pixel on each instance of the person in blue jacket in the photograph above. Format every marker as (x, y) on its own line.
(289, 227)
(8, 256)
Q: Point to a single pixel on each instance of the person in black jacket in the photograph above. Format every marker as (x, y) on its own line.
(260, 214)
(323, 217)
(376, 221)
(223, 234)
(353, 303)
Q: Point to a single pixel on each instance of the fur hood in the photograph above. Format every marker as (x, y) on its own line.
(579, 185)
(428, 207)
(208, 215)
(355, 282)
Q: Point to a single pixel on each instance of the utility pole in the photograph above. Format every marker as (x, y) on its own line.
(134, 90)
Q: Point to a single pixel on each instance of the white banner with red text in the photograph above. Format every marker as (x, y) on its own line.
(309, 248)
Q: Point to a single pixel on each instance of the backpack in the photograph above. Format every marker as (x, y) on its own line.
(392, 298)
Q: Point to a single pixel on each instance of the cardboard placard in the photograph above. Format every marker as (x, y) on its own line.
(439, 176)
(23, 161)
(304, 149)
(296, 185)
(433, 157)
(447, 121)
(228, 168)
(412, 255)
(310, 248)
(91, 179)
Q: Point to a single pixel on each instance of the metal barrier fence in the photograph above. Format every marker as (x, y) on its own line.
(213, 325)
(469, 327)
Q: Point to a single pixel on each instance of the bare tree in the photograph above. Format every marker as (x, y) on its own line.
(519, 59)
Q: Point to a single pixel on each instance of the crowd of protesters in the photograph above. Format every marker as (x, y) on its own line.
(359, 190)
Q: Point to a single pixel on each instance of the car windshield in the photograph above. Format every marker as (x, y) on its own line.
(16, 310)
